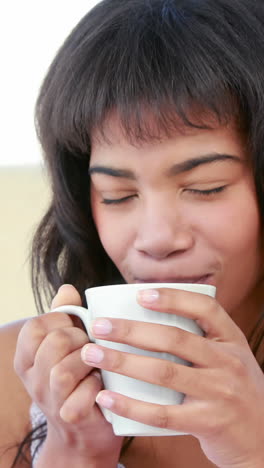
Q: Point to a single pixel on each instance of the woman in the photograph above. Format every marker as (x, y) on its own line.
(150, 119)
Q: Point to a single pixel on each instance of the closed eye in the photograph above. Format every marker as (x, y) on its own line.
(116, 201)
(208, 192)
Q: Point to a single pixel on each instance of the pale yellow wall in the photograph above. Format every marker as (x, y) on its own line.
(24, 195)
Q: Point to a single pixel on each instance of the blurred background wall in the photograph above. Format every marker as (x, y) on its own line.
(31, 32)
(24, 196)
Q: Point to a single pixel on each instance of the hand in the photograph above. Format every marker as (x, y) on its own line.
(224, 389)
(48, 362)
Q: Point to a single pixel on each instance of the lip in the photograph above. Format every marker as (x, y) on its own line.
(203, 279)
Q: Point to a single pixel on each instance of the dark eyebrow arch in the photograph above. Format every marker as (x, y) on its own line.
(178, 168)
(123, 173)
(190, 164)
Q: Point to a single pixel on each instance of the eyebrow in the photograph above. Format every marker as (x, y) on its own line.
(190, 164)
(111, 171)
(176, 169)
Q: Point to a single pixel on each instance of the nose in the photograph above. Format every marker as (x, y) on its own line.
(163, 232)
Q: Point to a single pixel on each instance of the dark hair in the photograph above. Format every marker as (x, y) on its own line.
(177, 60)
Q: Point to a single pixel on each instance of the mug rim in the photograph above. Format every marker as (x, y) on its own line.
(197, 286)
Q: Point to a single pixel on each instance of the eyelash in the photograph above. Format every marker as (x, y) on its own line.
(206, 193)
(117, 201)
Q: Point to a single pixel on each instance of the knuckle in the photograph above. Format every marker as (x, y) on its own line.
(176, 335)
(237, 366)
(126, 329)
(73, 413)
(232, 396)
(118, 361)
(61, 378)
(34, 329)
(228, 393)
(213, 427)
(166, 374)
(207, 307)
(31, 334)
(162, 417)
(211, 305)
(59, 340)
(70, 417)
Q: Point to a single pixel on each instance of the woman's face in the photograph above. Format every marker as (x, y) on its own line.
(182, 209)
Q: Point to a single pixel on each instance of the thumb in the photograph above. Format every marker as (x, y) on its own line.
(66, 295)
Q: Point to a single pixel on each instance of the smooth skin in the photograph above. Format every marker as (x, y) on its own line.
(187, 210)
(182, 208)
(47, 360)
(164, 213)
(224, 404)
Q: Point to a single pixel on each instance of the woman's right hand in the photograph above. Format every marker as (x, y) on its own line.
(48, 361)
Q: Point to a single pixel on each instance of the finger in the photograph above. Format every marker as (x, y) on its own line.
(191, 419)
(67, 294)
(159, 338)
(208, 313)
(57, 345)
(188, 380)
(81, 401)
(36, 329)
(33, 334)
(66, 375)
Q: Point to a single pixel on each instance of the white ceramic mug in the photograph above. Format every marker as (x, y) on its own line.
(119, 301)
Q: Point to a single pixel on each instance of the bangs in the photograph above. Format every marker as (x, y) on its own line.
(167, 63)
(143, 121)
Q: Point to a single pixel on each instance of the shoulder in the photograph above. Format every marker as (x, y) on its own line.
(14, 400)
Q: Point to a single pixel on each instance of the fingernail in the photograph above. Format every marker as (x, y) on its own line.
(101, 327)
(148, 295)
(104, 399)
(91, 354)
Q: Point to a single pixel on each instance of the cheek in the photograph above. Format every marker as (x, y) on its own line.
(234, 229)
(234, 236)
(114, 235)
(233, 225)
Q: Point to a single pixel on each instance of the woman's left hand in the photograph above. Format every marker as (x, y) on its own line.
(224, 403)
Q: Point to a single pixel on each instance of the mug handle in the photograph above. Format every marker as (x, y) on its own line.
(86, 317)
(81, 312)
